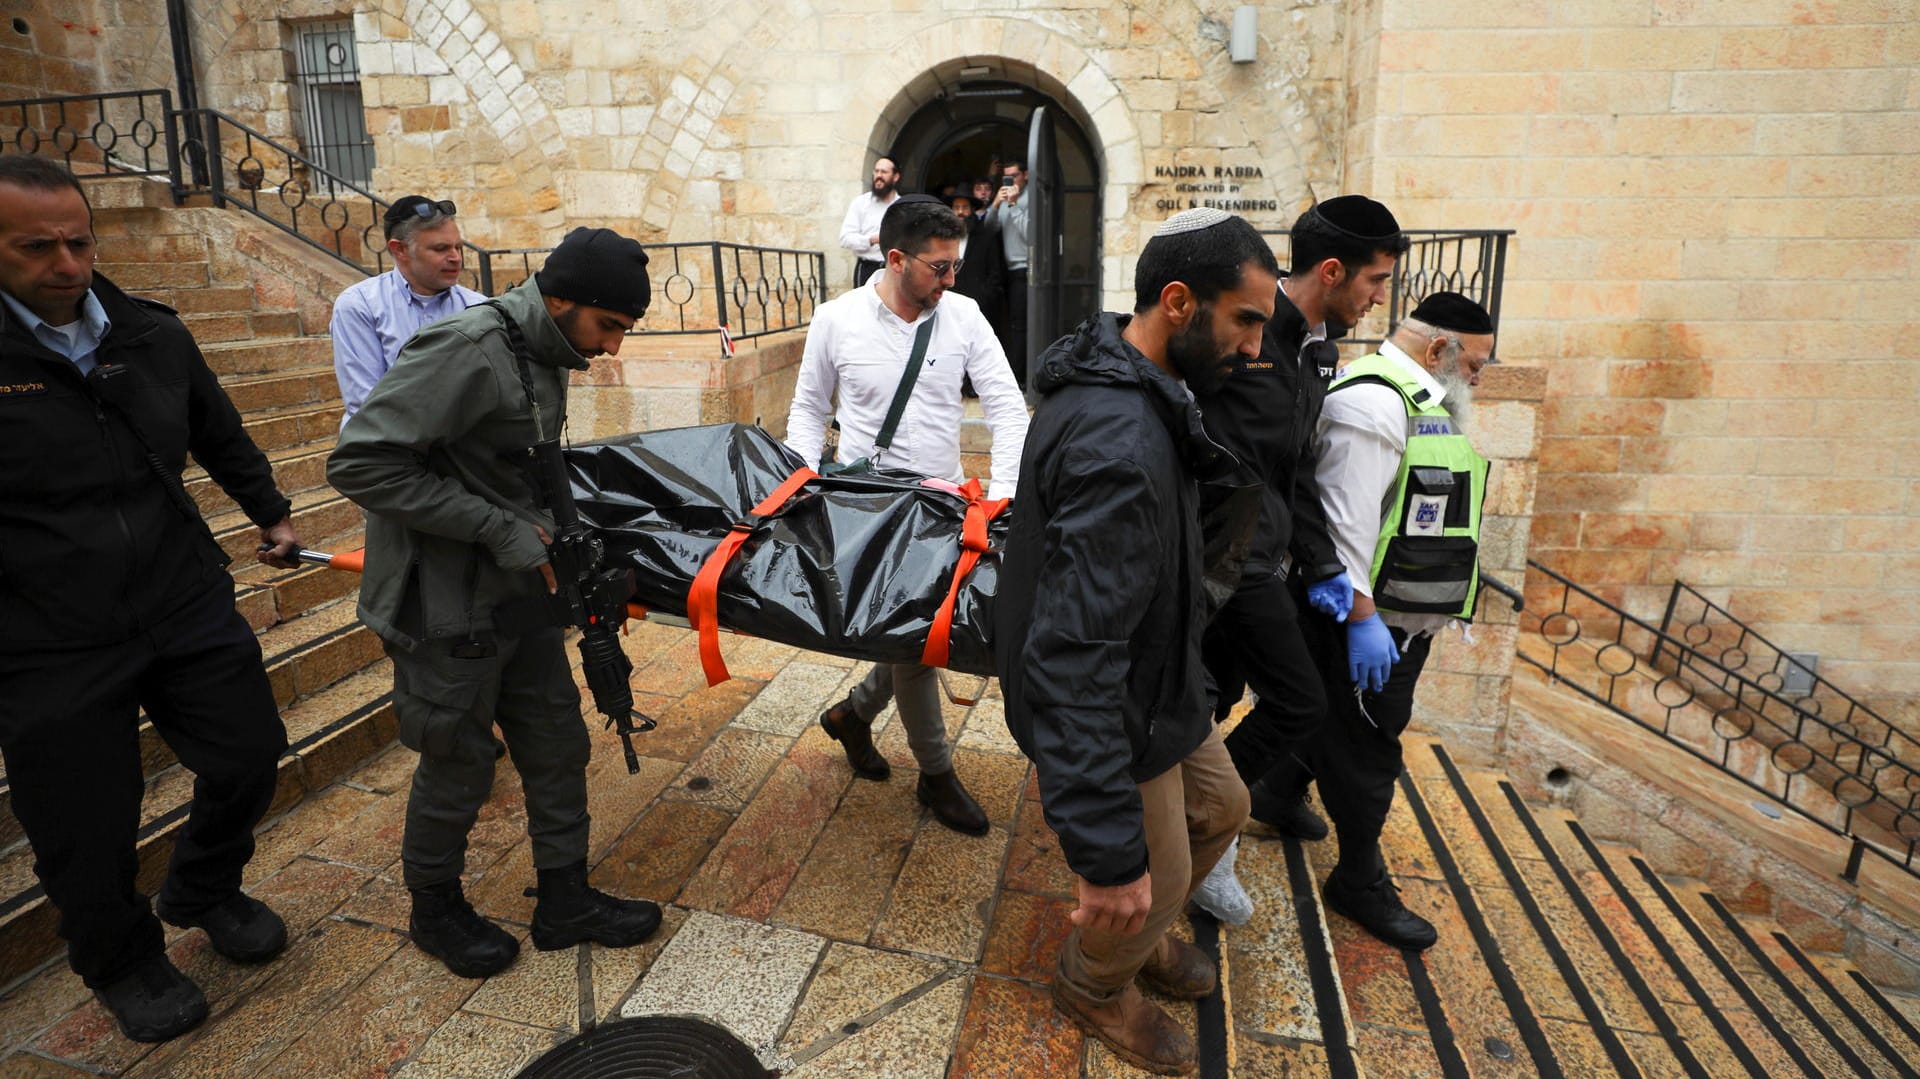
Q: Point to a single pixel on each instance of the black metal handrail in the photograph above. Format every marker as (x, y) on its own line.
(127, 133)
(248, 170)
(1713, 629)
(1822, 770)
(1472, 262)
(701, 288)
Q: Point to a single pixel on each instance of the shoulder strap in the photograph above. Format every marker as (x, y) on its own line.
(518, 343)
(905, 390)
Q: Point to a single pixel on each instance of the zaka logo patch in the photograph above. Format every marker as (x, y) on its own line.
(1426, 515)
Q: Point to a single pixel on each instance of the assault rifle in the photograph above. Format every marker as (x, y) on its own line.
(592, 597)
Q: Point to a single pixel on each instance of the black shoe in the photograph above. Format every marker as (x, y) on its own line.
(950, 802)
(154, 1001)
(1288, 816)
(239, 927)
(855, 735)
(444, 925)
(571, 911)
(1378, 909)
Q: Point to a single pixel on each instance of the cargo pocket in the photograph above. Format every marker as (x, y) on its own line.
(1427, 574)
(432, 702)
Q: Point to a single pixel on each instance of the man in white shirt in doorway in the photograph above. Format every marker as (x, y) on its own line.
(858, 346)
(860, 230)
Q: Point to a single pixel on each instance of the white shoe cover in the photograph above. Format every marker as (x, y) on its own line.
(1221, 894)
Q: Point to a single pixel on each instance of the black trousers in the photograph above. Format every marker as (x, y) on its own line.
(863, 269)
(1355, 754)
(1015, 343)
(1256, 641)
(69, 733)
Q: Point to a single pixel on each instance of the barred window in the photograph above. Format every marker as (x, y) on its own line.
(331, 119)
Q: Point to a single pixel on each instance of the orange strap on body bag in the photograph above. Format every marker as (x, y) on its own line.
(703, 599)
(973, 544)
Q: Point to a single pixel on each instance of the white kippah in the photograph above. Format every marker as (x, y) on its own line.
(1195, 220)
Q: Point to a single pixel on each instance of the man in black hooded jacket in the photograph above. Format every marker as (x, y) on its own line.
(1101, 665)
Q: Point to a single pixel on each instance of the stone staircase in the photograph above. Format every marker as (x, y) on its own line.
(1558, 955)
(327, 670)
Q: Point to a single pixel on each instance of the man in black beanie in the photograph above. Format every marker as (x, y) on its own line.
(456, 547)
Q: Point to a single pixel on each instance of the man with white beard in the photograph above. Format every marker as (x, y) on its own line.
(1402, 488)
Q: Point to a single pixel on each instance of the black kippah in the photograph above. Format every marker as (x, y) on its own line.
(1452, 311)
(906, 200)
(1358, 215)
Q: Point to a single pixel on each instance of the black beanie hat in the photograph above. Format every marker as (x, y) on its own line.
(1454, 312)
(599, 268)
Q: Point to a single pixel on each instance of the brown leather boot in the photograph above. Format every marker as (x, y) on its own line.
(855, 735)
(950, 802)
(1133, 1027)
(1179, 969)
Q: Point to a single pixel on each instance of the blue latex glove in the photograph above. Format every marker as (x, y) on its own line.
(1332, 597)
(1370, 653)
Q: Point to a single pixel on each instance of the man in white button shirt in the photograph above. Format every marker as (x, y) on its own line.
(860, 231)
(858, 346)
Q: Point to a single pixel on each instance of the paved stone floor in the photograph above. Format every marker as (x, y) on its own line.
(829, 923)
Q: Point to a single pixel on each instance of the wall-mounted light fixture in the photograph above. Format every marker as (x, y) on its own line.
(1245, 37)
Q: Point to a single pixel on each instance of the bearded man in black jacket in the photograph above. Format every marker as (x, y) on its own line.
(1101, 664)
(115, 597)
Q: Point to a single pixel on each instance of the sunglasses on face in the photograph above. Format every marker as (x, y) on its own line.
(941, 268)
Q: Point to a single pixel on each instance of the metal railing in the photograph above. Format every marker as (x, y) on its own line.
(119, 134)
(1862, 786)
(699, 288)
(1472, 262)
(703, 286)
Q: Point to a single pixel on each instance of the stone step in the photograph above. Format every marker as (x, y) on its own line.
(274, 429)
(328, 735)
(249, 355)
(318, 511)
(137, 247)
(311, 386)
(267, 596)
(210, 300)
(1599, 964)
(148, 276)
(295, 469)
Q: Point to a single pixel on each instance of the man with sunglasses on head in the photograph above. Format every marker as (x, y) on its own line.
(859, 347)
(373, 318)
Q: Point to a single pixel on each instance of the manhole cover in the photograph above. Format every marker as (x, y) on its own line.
(650, 1047)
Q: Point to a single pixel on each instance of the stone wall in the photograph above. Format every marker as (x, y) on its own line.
(1465, 686)
(1718, 207)
(49, 47)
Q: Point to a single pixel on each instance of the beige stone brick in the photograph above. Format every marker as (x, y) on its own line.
(1616, 93)
(1501, 93)
(1787, 91)
(1481, 51)
(1660, 378)
(1718, 532)
(1579, 454)
(1463, 14)
(1802, 47)
(1561, 135)
(1580, 492)
(1651, 48)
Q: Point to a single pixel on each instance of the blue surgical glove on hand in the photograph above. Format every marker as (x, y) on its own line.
(1332, 597)
(1370, 652)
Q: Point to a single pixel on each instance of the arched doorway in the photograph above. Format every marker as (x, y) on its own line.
(978, 118)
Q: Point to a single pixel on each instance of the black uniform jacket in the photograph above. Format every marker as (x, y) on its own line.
(1100, 609)
(93, 550)
(1265, 416)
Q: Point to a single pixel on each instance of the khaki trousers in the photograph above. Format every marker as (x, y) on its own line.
(1191, 812)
